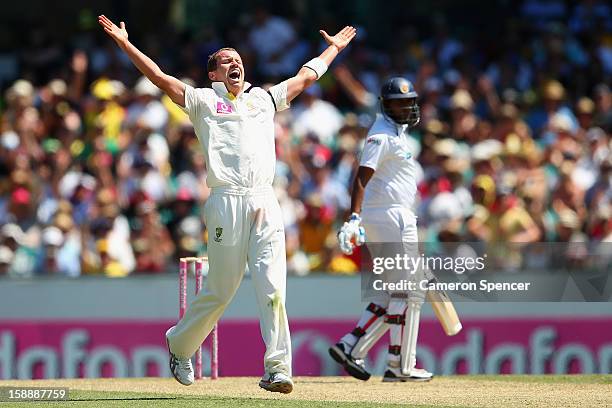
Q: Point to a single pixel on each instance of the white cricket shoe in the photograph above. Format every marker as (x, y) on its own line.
(181, 368)
(276, 382)
(420, 373)
(394, 374)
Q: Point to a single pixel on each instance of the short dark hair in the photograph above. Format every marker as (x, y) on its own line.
(211, 65)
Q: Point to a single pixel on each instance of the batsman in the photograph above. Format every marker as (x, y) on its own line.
(234, 122)
(383, 195)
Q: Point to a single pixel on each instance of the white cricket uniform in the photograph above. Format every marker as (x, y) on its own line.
(387, 216)
(389, 196)
(242, 215)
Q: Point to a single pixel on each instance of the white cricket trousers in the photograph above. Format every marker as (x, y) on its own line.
(391, 225)
(386, 225)
(245, 226)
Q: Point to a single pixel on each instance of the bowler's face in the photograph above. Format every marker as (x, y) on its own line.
(229, 70)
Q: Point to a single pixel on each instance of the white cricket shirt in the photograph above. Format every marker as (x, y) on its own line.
(387, 151)
(237, 133)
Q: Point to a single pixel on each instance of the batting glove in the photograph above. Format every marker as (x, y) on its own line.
(351, 234)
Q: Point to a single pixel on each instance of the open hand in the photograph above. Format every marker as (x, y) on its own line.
(341, 39)
(119, 34)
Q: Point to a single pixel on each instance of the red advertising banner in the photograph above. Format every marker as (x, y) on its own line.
(68, 349)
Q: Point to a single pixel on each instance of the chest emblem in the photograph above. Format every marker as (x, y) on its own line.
(224, 108)
(374, 140)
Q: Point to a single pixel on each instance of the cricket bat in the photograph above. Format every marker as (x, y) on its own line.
(445, 311)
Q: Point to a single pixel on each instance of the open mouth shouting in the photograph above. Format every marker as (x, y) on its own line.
(234, 75)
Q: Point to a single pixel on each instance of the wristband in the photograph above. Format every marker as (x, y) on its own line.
(317, 65)
(355, 216)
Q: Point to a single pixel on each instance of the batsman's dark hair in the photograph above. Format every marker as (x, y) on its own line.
(211, 65)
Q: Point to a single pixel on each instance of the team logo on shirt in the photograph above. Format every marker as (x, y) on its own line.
(374, 140)
(250, 106)
(224, 108)
(218, 232)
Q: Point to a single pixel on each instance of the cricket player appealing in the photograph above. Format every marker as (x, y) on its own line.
(383, 196)
(234, 123)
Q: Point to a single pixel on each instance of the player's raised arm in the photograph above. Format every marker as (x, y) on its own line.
(316, 67)
(174, 88)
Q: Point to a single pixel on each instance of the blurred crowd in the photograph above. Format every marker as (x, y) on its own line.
(102, 174)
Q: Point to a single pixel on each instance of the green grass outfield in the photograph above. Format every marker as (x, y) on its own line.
(311, 392)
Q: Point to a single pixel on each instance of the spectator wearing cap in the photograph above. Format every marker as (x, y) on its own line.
(320, 182)
(146, 111)
(564, 153)
(68, 256)
(52, 239)
(21, 211)
(78, 188)
(447, 161)
(553, 97)
(108, 115)
(585, 110)
(485, 157)
(19, 96)
(464, 123)
(442, 209)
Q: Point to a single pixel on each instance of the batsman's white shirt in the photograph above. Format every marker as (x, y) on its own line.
(388, 152)
(242, 215)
